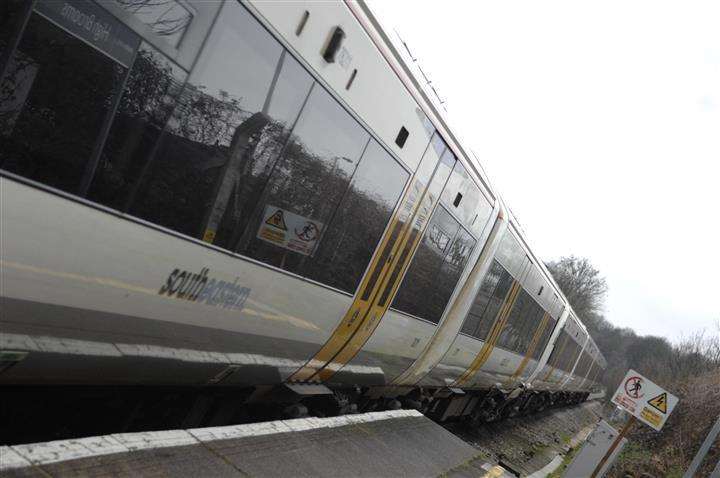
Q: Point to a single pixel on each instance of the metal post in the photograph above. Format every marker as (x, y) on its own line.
(716, 471)
(697, 461)
(628, 425)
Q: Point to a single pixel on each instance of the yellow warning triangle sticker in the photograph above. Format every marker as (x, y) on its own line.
(277, 220)
(659, 402)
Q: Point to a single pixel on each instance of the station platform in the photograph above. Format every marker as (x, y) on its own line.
(392, 443)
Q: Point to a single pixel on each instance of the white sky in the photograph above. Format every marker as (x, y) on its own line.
(599, 123)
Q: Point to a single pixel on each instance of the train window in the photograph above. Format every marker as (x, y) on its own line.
(60, 91)
(452, 268)
(510, 254)
(558, 348)
(468, 203)
(482, 298)
(209, 169)
(571, 356)
(564, 357)
(358, 223)
(416, 290)
(12, 12)
(435, 269)
(512, 337)
(499, 296)
(308, 183)
(544, 338)
(149, 96)
(432, 173)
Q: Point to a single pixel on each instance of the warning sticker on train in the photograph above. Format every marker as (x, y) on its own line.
(647, 401)
(289, 230)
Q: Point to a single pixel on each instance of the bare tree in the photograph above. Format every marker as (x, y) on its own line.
(581, 283)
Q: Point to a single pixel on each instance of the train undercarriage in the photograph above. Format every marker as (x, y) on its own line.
(41, 413)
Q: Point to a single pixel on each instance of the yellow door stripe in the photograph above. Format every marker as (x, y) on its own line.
(386, 258)
(372, 319)
(531, 348)
(493, 337)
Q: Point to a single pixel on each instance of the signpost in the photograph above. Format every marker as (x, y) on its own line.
(645, 401)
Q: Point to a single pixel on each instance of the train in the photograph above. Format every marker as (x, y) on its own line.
(213, 211)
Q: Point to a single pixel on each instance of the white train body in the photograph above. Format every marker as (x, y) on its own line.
(92, 284)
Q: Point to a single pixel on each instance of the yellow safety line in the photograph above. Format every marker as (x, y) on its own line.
(492, 339)
(531, 348)
(331, 354)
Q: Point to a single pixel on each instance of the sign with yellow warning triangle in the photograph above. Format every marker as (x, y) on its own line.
(659, 402)
(290, 231)
(645, 400)
(277, 219)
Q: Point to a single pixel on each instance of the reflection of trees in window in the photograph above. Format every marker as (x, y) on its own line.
(487, 297)
(312, 175)
(435, 270)
(522, 324)
(202, 160)
(55, 98)
(147, 102)
(544, 338)
(11, 15)
(359, 221)
(167, 18)
(569, 356)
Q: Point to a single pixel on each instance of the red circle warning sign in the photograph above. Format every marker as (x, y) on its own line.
(633, 387)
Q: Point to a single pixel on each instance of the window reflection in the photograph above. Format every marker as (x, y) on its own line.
(147, 102)
(207, 174)
(248, 131)
(167, 18)
(488, 300)
(311, 177)
(544, 338)
(430, 178)
(359, 221)
(435, 269)
(11, 15)
(57, 92)
(510, 254)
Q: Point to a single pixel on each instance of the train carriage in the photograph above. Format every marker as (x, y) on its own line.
(255, 200)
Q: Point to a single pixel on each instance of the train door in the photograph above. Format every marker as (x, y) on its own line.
(387, 266)
(499, 333)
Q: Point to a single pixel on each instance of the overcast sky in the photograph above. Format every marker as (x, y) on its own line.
(599, 123)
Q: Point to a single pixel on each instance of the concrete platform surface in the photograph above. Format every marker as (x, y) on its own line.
(380, 444)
